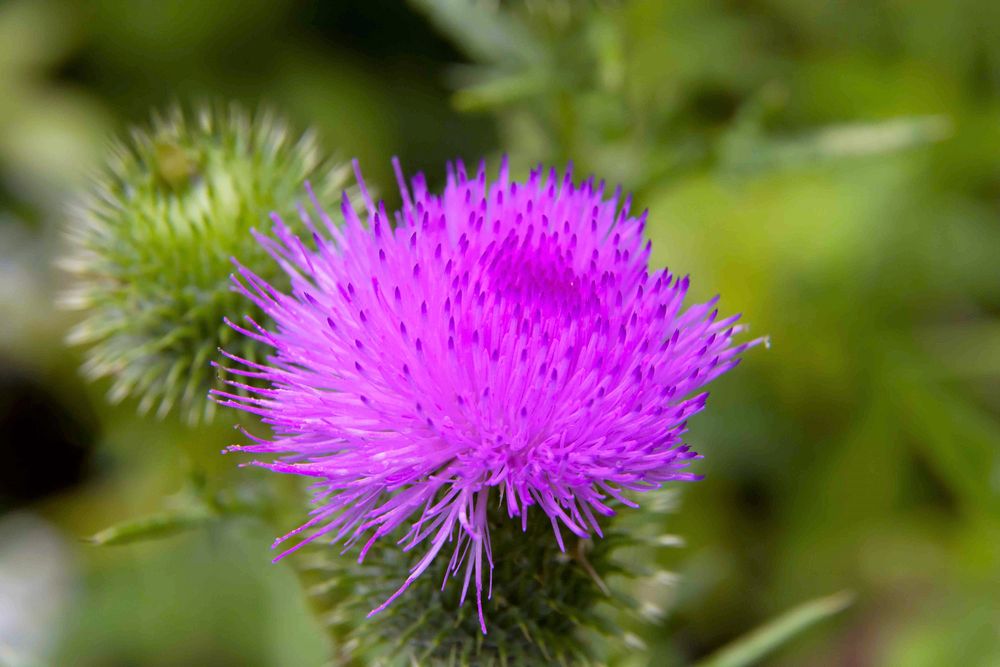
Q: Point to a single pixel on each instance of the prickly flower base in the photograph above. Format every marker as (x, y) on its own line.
(547, 607)
(151, 243)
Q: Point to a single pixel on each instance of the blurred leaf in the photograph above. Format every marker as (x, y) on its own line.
(749, 649)
(606, 40)
(500, 90)
(152, 527)
(745, 150)
(968, 349)
(484, 33)
(960, 442)
(35, 33)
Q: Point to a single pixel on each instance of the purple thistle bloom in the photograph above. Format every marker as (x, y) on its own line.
(503, 342)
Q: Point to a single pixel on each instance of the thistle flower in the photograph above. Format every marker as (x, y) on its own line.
(502, 344)
(151, 242)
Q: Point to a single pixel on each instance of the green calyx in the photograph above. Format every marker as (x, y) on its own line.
(547, 606)
(152, 242)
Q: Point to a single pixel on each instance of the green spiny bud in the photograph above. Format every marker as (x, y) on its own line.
(547, 606)
(151, 245)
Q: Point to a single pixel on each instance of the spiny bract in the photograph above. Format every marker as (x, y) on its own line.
(501, 343)
(548, 607)
(150, 247)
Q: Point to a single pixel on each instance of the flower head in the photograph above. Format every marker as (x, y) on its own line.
(501, 343)
(151, 243)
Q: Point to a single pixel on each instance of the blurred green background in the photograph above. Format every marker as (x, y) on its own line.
(831, 168)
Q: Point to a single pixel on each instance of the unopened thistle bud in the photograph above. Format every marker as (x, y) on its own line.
(151, 245)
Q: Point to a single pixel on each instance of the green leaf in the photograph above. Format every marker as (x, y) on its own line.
(965, 350)
(752, 647)
(499, 90)
(747, 150)
(486, 34)
(956, 438)
(35, 34)
(152, 527)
